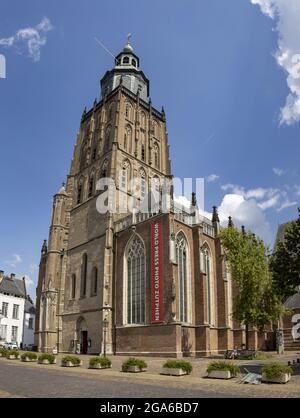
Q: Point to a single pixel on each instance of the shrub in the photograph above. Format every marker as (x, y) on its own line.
(223, 366)
(30, 355)
(141, 364)
(72, 359)
(3, 352)
(272, 370)
(103, 361)
(46, 356)
(179, 364)
(262, 356)
(14, 353)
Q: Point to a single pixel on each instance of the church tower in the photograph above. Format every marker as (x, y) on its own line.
(121, 138)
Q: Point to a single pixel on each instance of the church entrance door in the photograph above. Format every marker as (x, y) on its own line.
(84, 342)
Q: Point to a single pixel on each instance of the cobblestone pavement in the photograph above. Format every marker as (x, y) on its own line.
(32, 380)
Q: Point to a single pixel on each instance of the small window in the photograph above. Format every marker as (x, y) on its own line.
(30, 323)
(73, 286)
(83, 275)
(126, 60)
(91, 187)
(79, 194)
(133, 62)
(143, 153)
(15, 312)
(94, 287)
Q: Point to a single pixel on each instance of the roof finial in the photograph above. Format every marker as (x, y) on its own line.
(230, 222)
(215, 216)
(129, 38)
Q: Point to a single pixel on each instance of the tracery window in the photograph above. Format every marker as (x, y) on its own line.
(182, 262)
(135, 282)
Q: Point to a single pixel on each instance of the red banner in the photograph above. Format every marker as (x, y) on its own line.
(157, 294)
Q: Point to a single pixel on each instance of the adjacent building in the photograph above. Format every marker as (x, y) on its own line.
(150, 283)
(17, 314)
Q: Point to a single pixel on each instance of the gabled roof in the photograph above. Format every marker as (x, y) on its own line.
(14, 287)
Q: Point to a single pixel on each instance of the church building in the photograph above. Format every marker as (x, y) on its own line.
(141, 283)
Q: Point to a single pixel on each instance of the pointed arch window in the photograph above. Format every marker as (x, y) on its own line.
(103, 172)
(125, 175)
(91, 185)
(94, 284)
(156, 156)
(126, 60)
(128, 111)
(80, 191)
(135, 283)
(182, 262)
(73, 286)
(83, 275)
(128, 139)
(107, 138)
(143, 120)
(207, 269)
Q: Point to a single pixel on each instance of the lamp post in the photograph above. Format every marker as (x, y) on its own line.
(105, 325)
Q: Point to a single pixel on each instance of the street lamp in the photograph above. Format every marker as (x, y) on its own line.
(105, 326)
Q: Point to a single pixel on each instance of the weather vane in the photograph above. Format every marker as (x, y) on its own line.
(129, 37)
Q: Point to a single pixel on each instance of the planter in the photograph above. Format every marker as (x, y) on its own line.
(98, 366)
(12, 357)
(173, 371)
(220, 374)
(70, 364)
(28, 360)
(134, 369)
(46, 362)
(284, 378)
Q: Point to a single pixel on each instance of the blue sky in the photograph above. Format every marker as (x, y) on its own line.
(218, 67)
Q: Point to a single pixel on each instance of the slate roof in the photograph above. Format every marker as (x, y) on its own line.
(14, 287)
(29, 307)
(293, 302)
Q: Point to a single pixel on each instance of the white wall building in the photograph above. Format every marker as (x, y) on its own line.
(29, 324)
(16, 312)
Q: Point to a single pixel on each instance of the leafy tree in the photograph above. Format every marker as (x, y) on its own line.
(285, 261)
(256, 303)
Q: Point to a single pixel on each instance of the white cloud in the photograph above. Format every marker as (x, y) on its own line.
(270, 203)
(245, 212)
(33, 268)
(286, 204)
(211, 178)
(15, 261)
(279, 171)
(286, 14)
(32, 37)
(258, 193)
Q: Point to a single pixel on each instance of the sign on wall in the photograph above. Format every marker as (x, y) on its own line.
(157, 294)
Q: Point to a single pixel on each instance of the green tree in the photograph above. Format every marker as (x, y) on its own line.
(256, 303)
(285, 261)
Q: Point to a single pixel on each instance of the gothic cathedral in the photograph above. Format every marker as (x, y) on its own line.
(130, 283)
